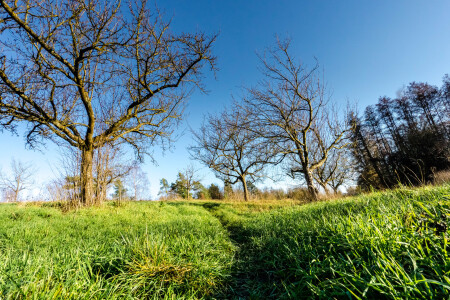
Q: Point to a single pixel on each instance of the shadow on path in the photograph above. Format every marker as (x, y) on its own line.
(248, 280)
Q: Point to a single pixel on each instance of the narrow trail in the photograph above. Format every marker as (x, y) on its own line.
(245, 270)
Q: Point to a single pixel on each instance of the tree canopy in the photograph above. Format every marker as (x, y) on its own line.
(92, 72)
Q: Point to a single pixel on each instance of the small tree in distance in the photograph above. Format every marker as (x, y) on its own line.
(164, 187)
(19, 180)
(337, 171)
(186, 183)
(109, 167)
(214, 192)
(120, 191)
(226, 144)
(201, 191)
(137, 181)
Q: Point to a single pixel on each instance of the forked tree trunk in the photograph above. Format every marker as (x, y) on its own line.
(101, 196)
(86, 178)
(311, 188)
(325, 188)
(16, 195)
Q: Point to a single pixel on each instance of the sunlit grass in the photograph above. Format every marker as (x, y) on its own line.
(383, 245)
(140, 250)
(390, 244)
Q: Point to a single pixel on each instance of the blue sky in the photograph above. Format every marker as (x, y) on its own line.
(366, 48)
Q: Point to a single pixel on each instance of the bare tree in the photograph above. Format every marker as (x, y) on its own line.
(109, 166)
(89, 73)
(338, 170)
(138, 181)
(191, 179)
(56, 190)
(289, 108)
(7, 195)
(227, 145)
(66, 183)
(19, 180)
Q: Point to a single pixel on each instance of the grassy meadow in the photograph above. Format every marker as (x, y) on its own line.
(384, 245)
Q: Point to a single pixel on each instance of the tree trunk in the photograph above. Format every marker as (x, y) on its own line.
(102, 192)
(244, 187)
(16, 195)
(188, 191)
(227, 189)
(86, 179)
(324, 187)
(311, 188)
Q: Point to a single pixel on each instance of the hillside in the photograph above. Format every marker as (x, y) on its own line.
(382, 245)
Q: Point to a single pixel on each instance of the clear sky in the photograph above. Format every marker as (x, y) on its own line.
(366, 48)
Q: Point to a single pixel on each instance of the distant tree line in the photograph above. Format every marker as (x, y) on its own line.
(404, 140)
(188, 186)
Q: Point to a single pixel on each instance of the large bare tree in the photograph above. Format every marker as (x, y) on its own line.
(110, 163)
(226, 144)
(290, 110)
(95, 72)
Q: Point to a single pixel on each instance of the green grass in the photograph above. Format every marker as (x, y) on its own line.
(385, 245)
(390, 245)
(143, 250)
